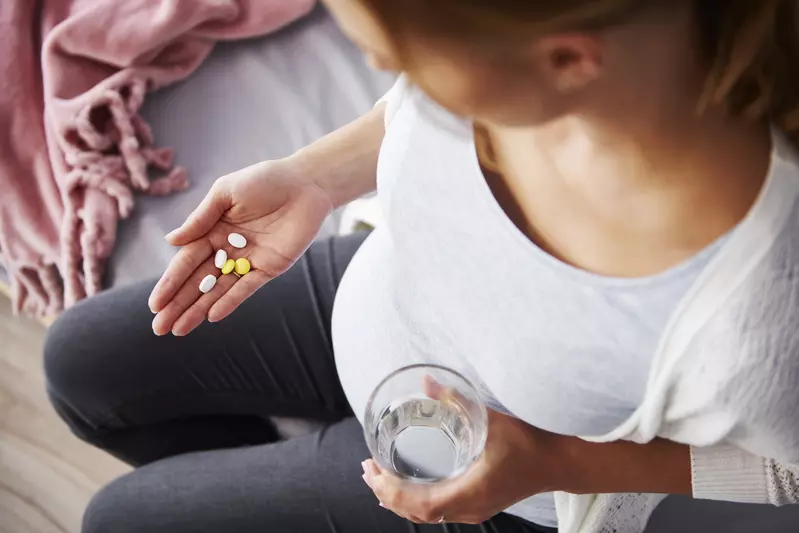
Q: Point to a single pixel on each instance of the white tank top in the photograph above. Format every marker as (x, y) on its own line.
(449, 279)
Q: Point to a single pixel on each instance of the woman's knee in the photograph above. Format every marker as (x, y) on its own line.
(69, 351)
(79, 354)
(67, 343)
(175, 495)
(122, 507)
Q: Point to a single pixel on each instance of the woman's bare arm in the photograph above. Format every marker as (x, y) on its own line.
(660, 466)
(344, 162)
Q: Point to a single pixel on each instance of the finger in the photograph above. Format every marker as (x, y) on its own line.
(386, 491)
(188, 293)
(422, 504)
(374, 484)
(203, 218)
(432, 388)
(372, 468)
(197, 313)
(183, 265)
(411, 518)
(436, 391)
(243, 289)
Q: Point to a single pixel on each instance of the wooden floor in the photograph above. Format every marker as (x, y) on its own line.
(46, 475)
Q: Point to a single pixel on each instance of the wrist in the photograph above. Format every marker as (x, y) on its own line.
(583, 467)
(303, 172)
(541, 461)
(563, 464)
(334, 182)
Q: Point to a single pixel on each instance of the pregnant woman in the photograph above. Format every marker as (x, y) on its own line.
(590, 210)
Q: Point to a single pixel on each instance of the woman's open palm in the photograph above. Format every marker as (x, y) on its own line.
(277, 211)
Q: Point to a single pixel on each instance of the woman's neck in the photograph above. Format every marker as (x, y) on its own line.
(629, 199)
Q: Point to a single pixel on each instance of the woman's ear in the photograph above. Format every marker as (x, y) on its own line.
(569, 62)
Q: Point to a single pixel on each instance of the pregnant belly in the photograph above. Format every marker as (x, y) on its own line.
(369, 339)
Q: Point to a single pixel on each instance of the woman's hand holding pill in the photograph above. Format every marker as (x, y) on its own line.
(276, 210)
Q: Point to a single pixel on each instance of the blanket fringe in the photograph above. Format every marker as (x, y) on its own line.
(37, 291)
(109, 151)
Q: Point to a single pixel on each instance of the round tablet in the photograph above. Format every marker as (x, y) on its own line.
(220, 259)
(229, 266)
(207, 283)
(242, 266)
(237, 240)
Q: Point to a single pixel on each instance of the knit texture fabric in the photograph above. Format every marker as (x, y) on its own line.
(726, 379)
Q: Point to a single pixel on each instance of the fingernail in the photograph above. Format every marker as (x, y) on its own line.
(177, 334)
(363, 465)
(366, 480)
(171, 233)
(383, 506)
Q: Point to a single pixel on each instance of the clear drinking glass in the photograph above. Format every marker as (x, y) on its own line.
(425, 423)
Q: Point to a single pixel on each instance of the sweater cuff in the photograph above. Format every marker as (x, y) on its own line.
(725, 472)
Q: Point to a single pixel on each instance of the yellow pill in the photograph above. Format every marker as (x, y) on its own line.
(242, 266)
(229, 266)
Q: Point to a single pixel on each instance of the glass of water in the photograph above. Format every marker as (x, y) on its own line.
(425, 423)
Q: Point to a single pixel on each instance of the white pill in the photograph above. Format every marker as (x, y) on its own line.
(220, 259)
(237, 240)
(207, 283)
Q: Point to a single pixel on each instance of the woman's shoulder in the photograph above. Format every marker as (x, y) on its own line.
(409, 101)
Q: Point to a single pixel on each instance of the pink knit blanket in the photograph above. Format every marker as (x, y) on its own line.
(73, 147)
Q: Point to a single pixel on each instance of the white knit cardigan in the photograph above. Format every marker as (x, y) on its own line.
(725, 379)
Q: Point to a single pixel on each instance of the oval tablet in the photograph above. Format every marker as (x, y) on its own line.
(207, 283)
(220, 259)
(237, 240)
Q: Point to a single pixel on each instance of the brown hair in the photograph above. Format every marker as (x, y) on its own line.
(753, 45)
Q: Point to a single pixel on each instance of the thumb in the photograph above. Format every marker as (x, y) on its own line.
(432, 388)
(436, 391)
(203, 218)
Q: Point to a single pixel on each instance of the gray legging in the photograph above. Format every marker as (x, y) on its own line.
(194, 414)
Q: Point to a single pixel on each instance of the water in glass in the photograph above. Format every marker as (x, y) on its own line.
(424, 439)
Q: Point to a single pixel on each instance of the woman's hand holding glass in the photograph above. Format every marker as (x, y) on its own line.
(518, 462)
